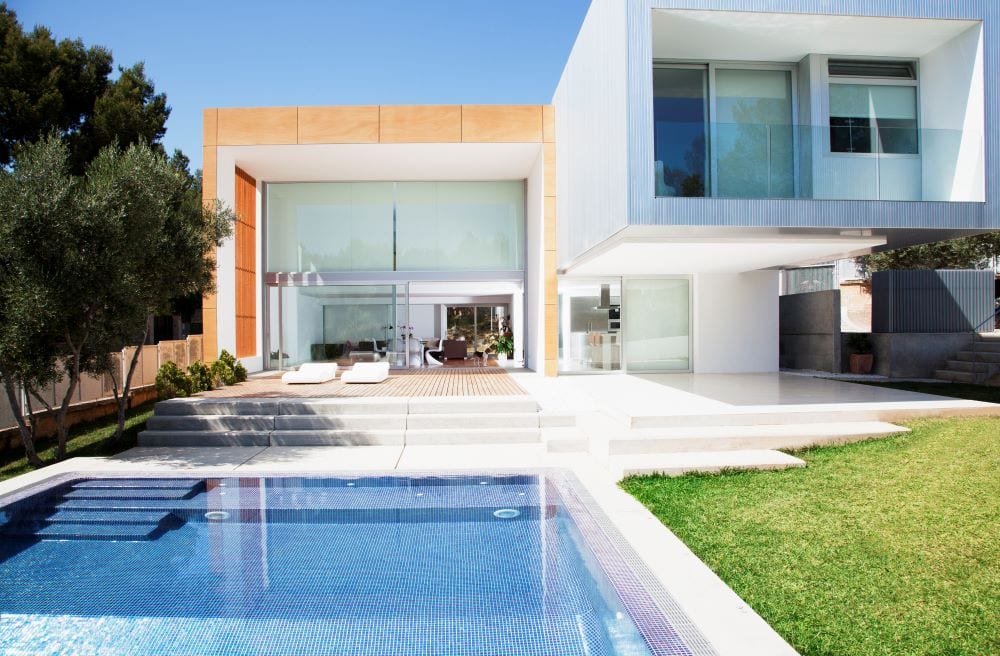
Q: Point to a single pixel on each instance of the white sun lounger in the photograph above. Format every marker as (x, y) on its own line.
(311, 372)
(366, 372)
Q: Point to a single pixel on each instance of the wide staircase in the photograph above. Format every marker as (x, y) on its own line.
(366, 421)
(103, 509)
(978, 365)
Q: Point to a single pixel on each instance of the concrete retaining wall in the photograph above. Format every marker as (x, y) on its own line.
(809, 330)
(915, 355)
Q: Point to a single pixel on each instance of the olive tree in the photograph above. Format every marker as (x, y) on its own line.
(85, 260)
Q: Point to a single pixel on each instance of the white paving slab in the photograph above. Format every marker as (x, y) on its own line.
(708, 462)
(323, 458)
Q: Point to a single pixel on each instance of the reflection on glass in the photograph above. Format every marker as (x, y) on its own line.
(477, 325)
(657, 324)
(468, 226)
(752, 142)
(680, 114)
(873, 118)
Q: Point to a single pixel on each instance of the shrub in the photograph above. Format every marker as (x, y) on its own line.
(223, 372)
(240, 372)
(201, 377)
(859, 342)
(171, 381)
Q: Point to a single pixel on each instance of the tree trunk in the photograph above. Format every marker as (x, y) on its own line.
(124, 400)
(27, 434)
(62, 430)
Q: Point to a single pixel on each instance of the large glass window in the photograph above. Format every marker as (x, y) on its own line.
(753, 133)
(460, 226)
(344, 226)
(873, 118)
(657, 324)
(590, 326)
(387, 226)
(680, 115)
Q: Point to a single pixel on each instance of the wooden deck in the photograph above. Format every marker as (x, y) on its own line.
(443, 381)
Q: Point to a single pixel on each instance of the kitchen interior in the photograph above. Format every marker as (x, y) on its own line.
(590, 324)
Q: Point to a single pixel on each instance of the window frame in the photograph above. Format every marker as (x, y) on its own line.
(852, 80)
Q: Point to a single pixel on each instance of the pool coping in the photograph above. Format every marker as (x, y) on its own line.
(726, 623)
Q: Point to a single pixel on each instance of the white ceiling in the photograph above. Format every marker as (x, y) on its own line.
(448, 161)
(753, 36)
(645, 256)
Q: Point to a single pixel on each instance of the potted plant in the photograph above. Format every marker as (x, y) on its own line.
(504, 347)
(861, 358)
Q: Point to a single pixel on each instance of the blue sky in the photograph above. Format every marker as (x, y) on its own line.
(214, 53)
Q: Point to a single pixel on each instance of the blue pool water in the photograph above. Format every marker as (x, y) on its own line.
(381, 565)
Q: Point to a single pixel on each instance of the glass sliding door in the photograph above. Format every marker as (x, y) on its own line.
(477, 325)
(680, 115)
(657, 324)
(752, 138)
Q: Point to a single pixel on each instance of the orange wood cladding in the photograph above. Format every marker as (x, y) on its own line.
(246, 265)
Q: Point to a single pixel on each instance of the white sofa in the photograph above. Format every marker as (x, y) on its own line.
(311, 372)
(366, 372)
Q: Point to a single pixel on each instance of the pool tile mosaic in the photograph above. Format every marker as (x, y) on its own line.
(294, 565)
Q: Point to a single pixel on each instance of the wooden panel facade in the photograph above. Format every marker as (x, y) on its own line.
(246, 264)
(502, 123)
(328, 125)
(420, 123)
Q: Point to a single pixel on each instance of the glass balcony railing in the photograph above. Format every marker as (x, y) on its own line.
(850, 161)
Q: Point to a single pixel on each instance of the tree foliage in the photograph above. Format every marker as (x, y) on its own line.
(965, 253)
(64, 87)
(86, 259)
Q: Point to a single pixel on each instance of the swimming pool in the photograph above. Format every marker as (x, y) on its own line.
(518, 564)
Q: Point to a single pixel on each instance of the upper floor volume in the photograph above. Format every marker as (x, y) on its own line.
(807, 106)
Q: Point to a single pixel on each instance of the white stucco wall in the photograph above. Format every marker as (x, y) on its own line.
(533, 342)
(736, 322)
(225, 256)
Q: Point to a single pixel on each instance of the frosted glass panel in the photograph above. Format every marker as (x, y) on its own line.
(876, 101)
(460, 226)
(753, 134)
(329, 226)
(657, 325)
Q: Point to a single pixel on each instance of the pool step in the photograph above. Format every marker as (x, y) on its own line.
(708, 462)
(61, 524)
(139, 483)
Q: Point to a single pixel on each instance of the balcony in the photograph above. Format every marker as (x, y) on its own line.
(851, 160)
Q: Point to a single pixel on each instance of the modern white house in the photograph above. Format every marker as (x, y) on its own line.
(638, 223)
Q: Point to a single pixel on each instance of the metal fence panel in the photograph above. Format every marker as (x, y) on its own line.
(925, 301)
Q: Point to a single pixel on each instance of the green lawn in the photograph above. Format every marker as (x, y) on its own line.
(882, 547)
(88, 439)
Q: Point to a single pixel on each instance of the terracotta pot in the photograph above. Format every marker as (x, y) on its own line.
(861, 363)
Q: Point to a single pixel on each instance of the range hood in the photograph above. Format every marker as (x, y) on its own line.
(605, 301)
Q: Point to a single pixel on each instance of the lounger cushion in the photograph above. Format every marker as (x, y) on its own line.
(366, 372)
(311, 372)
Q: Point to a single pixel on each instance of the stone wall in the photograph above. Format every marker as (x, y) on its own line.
(809, 331)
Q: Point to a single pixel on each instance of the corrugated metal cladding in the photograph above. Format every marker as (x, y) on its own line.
(645, 209)
(591, 153)
(931, 301)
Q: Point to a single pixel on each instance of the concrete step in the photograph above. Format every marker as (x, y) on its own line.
(473, 436)
(323, 422)
(980, 356)
(556, 420)
(974, 367)
(461, 421)
(958, 376)
(734, 438)
(202, 406)
(342, 406)
(346, 437)
(565, 439)
(986, 345)
(204, 438)
(210, 422)
(473, 405)
(678, 464)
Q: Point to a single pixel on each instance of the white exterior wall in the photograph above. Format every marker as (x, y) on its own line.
(533, 342)
(225, 279)
(735, 322)
(591, 133)
(952, 105)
